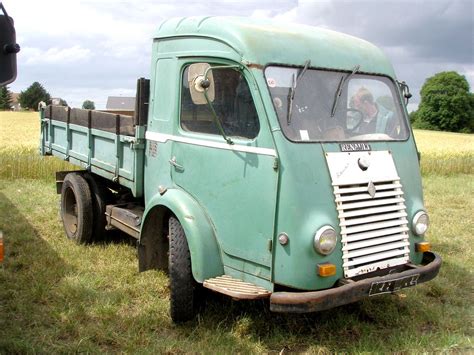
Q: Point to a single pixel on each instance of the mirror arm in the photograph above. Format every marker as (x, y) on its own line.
(211, 107)
(216, 119)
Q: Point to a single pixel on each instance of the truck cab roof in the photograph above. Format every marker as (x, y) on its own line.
(263, 42)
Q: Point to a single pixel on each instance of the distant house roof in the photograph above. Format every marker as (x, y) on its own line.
(120, 103)
(15, 103)
(14, 97)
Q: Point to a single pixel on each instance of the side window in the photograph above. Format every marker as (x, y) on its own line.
(232, 103)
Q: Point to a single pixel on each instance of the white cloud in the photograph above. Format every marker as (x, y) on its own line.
(36, 56)
(96, 46)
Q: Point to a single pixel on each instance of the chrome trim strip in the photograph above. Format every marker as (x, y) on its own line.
(163, 138)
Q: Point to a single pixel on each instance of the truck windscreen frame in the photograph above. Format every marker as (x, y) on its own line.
(333, 106)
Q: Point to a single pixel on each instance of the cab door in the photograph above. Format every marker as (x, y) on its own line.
(235, 181)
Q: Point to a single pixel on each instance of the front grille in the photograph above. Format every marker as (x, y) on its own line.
(374, 229)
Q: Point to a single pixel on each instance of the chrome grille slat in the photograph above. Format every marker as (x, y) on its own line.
(374, 230)
(371, 211)
(372, 226)
(373, 234)
(380, 217)
(375, 257)
(380, 248)
(366, 196)
(371, 203)
(373, 241)
(345, 190)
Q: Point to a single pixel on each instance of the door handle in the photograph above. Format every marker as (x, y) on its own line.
(173, 162)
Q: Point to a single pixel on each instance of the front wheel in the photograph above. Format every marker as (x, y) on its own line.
(76, 208)
(182, 283)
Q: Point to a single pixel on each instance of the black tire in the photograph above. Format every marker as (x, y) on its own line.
(76, 208)
(99, 202)
(182, 283)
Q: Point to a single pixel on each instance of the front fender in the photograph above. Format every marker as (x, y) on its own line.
(205, 253)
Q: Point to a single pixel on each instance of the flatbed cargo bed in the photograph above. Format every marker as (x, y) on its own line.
(107, 144)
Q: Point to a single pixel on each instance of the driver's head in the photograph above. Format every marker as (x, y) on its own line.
(363, 100)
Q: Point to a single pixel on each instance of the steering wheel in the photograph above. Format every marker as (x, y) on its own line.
(360, 114)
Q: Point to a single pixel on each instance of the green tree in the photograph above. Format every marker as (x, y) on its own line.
(446, 104)
(31, 97)
(5, 98)
(62, 102)
(88, 105)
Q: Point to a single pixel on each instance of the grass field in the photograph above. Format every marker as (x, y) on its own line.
(57, 297)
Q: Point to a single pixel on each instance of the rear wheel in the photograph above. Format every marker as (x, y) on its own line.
(76, 208)
(182, 283)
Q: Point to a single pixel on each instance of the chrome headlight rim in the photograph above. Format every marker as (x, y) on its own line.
(416, 223)
(318, 237)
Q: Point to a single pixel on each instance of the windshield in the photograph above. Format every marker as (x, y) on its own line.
(329, 106)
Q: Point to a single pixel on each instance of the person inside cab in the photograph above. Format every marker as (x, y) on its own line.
(375, 118)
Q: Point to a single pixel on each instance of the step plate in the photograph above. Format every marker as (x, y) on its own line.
(236, 288)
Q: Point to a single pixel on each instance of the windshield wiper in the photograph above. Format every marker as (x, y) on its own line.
(344, 79)
(291, 94)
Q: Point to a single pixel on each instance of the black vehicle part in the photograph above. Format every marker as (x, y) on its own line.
(182, 283)
(141, 102)
(76, 208)
(8, 48)
(99, 202)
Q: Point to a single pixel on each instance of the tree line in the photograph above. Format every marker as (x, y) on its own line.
(32, 96)
(446, 103)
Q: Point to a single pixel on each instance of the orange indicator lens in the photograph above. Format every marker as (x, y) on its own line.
(325, 270)
(422, 247)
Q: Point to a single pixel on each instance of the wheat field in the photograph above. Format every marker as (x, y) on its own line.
(442, 153)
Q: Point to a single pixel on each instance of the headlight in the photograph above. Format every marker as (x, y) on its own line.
(421, 222)
(325, 240)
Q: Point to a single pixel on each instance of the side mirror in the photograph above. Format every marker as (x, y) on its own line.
(200, 79)
(405, 91)
(8, 48)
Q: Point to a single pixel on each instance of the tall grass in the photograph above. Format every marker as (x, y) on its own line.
(444, 153)
(19, 148)
(26, 163)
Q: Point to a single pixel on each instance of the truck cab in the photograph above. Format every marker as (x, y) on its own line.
(280, 161)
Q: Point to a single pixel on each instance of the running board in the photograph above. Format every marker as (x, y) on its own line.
(126, 217)
(236, 288)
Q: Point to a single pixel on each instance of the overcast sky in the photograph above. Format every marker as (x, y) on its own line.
(92, 49)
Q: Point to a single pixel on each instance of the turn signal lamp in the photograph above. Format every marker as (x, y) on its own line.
(422, 247)
(326, 270)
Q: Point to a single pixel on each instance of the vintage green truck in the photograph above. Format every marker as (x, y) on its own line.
(262, 161)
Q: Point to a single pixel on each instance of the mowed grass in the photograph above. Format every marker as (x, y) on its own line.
(58, 297)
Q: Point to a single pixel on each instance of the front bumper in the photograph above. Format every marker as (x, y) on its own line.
(352, 291)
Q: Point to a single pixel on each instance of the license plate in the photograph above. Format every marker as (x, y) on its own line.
(394, 285)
